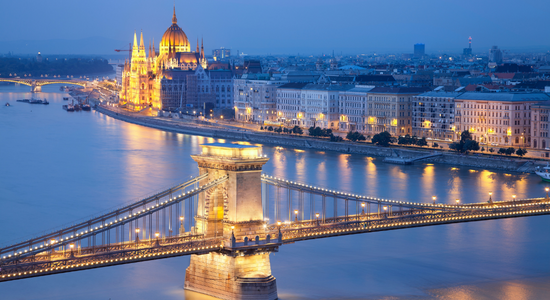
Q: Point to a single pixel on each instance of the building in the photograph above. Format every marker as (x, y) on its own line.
(433, 115)
(147, 77)
(495, 55)
(497, 118)
(419, 50)
(307, 104)
(353, 108)
(119, 69)
(467, 52)
(255, 98)
(220, 54)
(539, 127)
(390, 109)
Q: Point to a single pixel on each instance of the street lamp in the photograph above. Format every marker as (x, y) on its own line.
(433, 198)
(457, 201)
(295, 215)
(547, 189)
(137, 235)
(514, 198)
(385, 209)
(182, 227)
(317, 216)
(490, 199)
(363, 208)
(157, 235)
(71, 245)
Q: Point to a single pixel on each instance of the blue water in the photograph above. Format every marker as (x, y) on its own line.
(59, 167)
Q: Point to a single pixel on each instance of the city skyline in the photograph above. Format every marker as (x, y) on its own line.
(354, 27)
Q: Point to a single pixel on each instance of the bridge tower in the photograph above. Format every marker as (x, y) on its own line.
(35, 88)
(233, 211)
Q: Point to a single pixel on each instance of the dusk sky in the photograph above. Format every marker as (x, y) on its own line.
(277, 27)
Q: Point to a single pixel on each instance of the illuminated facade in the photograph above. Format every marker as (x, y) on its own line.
(147, 77)
(433, 115)
(497, 118)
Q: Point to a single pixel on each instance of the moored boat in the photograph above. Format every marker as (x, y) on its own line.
(8, 104)
(544, 172)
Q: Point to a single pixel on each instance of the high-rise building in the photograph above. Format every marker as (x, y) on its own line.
(468, 51)
(419, 50)
(495, 55)
(221, 53)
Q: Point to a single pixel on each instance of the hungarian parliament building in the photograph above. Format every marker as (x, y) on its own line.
(175, 77)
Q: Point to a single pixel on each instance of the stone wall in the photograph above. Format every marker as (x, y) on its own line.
(226, 277)
(497, 162)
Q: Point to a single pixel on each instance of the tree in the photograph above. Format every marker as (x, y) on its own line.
(279, 130)
(261, 128)
(355, 136)
(382, 139)
(269, 128)
(422, 142)
(521, 152)
(491, 150)
(482, 149)
(465, 135)
(335, 138)
(435, 145)
(502, 151)
(455, 146)
(510, 151)
(297, 130)
(470, 145)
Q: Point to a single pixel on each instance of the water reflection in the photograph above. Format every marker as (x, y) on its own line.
(83, 163)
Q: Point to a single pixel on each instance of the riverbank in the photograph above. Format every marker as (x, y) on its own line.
(226, 132)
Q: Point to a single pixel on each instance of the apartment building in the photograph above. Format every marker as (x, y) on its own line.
(255, 98)
(352, 107)
(307, 105)
(390, 109)
(497, 118)
(433, 115)
(539, 127)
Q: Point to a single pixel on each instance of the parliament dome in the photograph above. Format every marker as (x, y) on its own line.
(174, 37)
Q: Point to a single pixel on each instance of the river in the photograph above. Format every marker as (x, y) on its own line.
(59, 167)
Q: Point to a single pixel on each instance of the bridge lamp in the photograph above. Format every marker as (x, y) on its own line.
(514, 198)
(490, 194)
(457, 201)
(547, 189)
(295, 215)
(181, 220)
(278, 223)
(433, 198)
(363, 208)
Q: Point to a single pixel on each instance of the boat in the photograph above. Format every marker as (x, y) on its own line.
(65, 98)
(7, 104)
(86, 107)
(543, 172)
(36, 101)
(45, 102)
(68, 107)
(23, 100)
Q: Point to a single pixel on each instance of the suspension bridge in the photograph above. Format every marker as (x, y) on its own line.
(36, 84)
(229, 219)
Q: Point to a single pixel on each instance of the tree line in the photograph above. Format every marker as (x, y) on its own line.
(70, 66)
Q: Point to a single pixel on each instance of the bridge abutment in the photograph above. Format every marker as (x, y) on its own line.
(233, 210)
(231, 277)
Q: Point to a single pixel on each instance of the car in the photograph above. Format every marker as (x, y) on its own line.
(546, 148)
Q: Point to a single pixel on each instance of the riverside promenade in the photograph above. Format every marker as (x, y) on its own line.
(224, 131)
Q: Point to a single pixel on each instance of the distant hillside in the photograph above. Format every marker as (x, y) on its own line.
(71, 66)
(94, 45)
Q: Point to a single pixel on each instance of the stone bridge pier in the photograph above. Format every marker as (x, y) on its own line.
(232, 211)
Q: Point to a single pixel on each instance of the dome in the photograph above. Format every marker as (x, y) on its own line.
(174, 36)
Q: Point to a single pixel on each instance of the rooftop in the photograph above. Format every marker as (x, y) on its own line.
(440, 94)
(226, 145)
(512, 97)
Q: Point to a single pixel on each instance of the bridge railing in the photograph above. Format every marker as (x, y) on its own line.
(166, 208)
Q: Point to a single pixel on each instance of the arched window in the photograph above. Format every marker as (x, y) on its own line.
(143, 86)
(517, 140)
(534, 143)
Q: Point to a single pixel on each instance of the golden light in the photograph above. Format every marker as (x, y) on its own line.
(181, 218)
(296, 212)
(221, 117)
(157, 234)
(509, 132)
(232, 227)
(393, 122)
(363, 204)
(278, 223)
(71, 246)
(137, 230)
(317, 215)
(514, 196)
(457, 201)
(547, 189)
(433, 198)
(490, 193)
(53, 241)
(385, 208)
